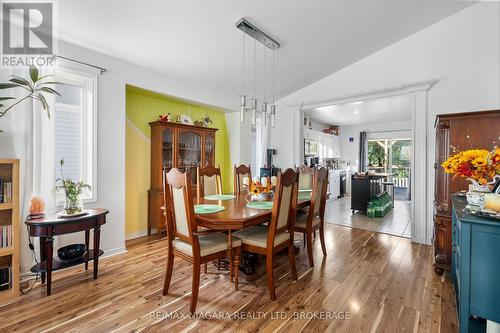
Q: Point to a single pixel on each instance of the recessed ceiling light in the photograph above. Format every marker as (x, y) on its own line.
(356, 112)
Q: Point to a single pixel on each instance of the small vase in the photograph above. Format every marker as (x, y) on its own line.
(73, 205)
(475, 195)
(250, 197)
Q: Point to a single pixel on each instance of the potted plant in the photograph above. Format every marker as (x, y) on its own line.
(73, 204)
(35, 87)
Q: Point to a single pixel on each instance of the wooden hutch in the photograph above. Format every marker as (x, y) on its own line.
(175, 145)
(454, 133)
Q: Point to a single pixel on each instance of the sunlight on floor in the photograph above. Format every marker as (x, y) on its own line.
(396, 222)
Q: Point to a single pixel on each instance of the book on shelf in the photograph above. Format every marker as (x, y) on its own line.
(5, 236)
(5, 277)
(5, 191)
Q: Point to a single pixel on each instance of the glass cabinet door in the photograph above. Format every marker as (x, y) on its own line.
(189, 156)
(167, 149)
(209, 149)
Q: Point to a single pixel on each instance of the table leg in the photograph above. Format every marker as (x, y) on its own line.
(237, 266)
(97, 234)
(43, 257)
(48, 252)
(230, 252)
(87, 237)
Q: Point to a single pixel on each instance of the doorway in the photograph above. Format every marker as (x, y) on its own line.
(392, 156)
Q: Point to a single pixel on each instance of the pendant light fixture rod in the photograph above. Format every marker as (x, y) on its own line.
(259, 35)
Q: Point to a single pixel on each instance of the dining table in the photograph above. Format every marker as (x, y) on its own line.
(236, 215)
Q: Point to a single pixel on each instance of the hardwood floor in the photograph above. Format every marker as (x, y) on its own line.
(383, 283)
(396, 222)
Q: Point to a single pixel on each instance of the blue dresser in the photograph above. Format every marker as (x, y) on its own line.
(475, 267)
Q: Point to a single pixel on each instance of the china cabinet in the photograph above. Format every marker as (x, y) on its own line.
(454, 133)
(175, 145)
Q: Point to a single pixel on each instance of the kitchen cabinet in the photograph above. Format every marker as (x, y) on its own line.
(328, 144)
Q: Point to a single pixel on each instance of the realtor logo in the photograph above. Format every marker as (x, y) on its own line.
(27, 34)
(27, 28)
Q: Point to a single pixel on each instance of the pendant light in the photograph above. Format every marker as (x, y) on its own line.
(252, 104)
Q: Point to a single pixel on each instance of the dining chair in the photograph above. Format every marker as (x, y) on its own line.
(312, 219)
(305, 177)
(185, 240)
(209, 181)
(240, 172)
(279, 235)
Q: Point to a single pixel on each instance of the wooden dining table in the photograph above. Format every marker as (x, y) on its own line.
(237, 216)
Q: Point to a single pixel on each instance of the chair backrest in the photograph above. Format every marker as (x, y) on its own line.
(285, 205)
(305, 177)
(240, 172)
(318, 195)
(181, 220)
(209, 181)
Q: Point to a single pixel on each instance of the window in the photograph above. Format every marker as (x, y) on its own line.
(75, 130)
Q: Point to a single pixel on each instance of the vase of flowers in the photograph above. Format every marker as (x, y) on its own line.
(73, 203)
(480, 166)
(260, 191)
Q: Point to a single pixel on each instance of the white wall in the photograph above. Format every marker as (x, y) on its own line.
(349, 151)
(461, 52)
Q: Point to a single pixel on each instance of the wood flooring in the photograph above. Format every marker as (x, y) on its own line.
(369, 282)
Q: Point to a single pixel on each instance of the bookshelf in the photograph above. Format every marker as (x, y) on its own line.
(9, 230)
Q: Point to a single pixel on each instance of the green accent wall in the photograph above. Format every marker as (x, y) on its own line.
(142, 107)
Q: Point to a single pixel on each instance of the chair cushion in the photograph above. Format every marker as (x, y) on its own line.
(257, 236)
(209, 244)
(301, 220)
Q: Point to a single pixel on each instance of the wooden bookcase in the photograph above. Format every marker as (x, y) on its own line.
(9, 215)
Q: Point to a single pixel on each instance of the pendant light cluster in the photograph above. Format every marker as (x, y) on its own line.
(251, 104)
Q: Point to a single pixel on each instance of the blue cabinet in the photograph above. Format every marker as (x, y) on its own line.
(475, 267)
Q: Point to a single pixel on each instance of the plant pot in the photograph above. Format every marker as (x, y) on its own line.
(475, 195)
(73, 204)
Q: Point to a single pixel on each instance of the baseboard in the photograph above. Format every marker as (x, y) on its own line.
(136, 234)
(113, 252)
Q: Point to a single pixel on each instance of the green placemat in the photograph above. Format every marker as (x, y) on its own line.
(208, 209)
(260, 205)
(304, 195)
(220, 197)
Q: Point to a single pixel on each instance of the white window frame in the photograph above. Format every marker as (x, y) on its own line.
(88, 82)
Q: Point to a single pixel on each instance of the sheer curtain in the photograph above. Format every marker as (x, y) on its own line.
(262, 143)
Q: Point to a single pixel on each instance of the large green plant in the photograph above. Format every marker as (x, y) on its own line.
(35, 86)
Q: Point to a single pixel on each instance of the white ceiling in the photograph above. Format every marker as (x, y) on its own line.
(195, 41)
(394, 108)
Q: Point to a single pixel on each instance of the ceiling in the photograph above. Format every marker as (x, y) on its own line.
(195, 41)
(394, 108)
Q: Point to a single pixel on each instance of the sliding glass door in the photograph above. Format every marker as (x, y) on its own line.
(392, 156)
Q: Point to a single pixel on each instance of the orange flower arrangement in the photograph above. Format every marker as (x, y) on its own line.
(480, 165)
(257, 188)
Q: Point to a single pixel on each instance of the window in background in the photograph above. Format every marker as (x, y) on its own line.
(75, 130)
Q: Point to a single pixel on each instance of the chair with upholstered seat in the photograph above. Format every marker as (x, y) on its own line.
(240, 173)
(279, 235)
(209, 181)
(312, 219)
(184, 240)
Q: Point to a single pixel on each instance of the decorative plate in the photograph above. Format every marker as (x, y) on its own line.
(208, 209)
(220, 197)
(185, 119)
